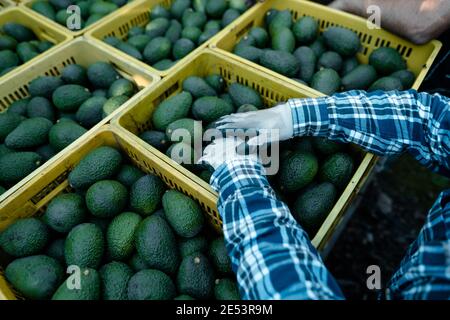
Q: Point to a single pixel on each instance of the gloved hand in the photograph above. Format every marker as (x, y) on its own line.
(223, 150)
(278, 117)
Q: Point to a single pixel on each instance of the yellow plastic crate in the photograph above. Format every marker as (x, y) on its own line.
(27, 6)
(419, 58)
(80, 51)
(137, 118)
(42, 29)
(33, 198)
(138, 14)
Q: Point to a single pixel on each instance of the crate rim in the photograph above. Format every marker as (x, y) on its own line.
(66, 47)
(26, 5)
(91, 34)
(358, 179)
(214, 45)
(17, 10)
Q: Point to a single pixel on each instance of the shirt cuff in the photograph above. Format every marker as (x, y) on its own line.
(310, 116)
(237, 174)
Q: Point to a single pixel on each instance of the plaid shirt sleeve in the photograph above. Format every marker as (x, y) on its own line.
(270, 254)
(384, 123)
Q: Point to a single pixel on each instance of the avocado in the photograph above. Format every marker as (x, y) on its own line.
(281, 62)
(8, 59)
(101, 163)
(326, 81)
(226, 289)
(40, 107)
(45, 9)
(55, 250)
(297, 171)
(182, 153)
(26, 51)
(183, 214)
(159, 11)
(93, 19)
(326, 146)
(157, 49)
(18, 107)
(70, 97)
(84, 246)
(90, 286)
(312, 207)
(196, 277)
(102, 8)
(193, 18)
(210, 109)
(173, 33)
(138, 41)
(155, 243)
(191, 33)
(19, 32)
(24, 237)
(46, 152)
(17, 165)
(44, 86)
(246, 108)
(91, 111)
(102, 75)
(130, 50)
(198, 87)
(64, 133)
(35, 277)
(156, 139)
(216, 8)
(151, 284)
(406, 77)
(113, 41)
(171, 109)
(114, 280)
(137, 263)
(179, 7)
(306, 30)
(112, 104)
(128, 175)
(386, 84)
(74, 74)
(283, 40)
(146, 193)
(349, 65)
(157, 27)
(219, 256)
(282, 19)
(241, 95)
(8, 123)
(250, 53)
(337, 169)
(229, 16)
(120, 235)
(163, 64)
(387, 60)
(216, 81)
(29, 133)
(330, 60)
(260, 35)
(318, 46)
(341, 40)
(190, 246)
(206, 35)
(307, 59)
(106, 198)
(359, 78)
(65, 212)
(189, 129)
(5, 150)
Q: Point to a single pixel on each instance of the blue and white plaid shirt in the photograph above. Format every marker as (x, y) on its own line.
(271, 254)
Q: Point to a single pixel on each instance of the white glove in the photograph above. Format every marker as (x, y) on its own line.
(223, 150)
(276, 118)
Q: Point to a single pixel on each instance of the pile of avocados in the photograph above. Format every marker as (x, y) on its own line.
(91, 10)
(313, 171)
(174, 32)
(58, 111)
(18, 44)
(325, 62)
(130, 237)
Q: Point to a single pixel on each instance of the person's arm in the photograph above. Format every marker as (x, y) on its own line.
(384, 123)
(417, 20)
(270, 253)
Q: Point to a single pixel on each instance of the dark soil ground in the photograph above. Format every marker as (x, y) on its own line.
(390, 217)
